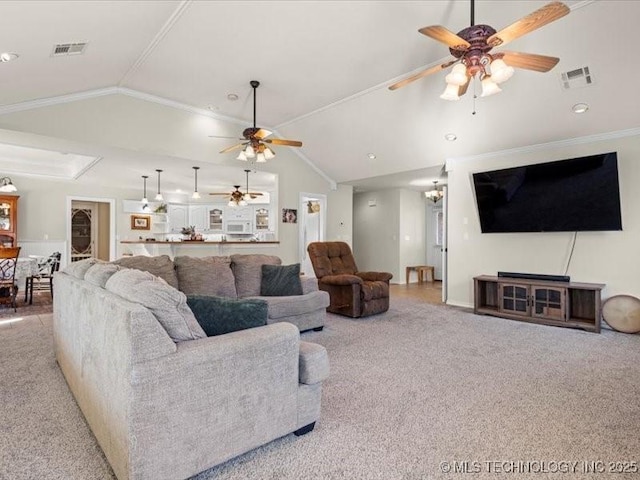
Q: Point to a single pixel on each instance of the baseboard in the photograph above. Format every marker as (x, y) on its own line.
(453, 303)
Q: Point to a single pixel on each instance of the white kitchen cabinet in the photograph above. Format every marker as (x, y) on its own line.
(239, 213)
(178, 217)
(199, 217)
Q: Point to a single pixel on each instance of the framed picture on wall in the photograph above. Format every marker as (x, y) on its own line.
(140, 222)
(289, 215)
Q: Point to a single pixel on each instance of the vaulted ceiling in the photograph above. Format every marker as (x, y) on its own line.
(324, 68)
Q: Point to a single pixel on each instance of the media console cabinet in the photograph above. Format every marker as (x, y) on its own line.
(561, 304)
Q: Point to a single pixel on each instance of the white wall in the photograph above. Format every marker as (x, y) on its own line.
(390, 235)
(612, 258)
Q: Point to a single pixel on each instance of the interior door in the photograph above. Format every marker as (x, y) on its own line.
(312, 213)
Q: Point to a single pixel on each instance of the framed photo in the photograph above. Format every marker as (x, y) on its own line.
(140, 222)
(289, 215)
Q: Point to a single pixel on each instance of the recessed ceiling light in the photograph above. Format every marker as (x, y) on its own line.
(580, 108)
(232, 96)
(451, 137)
(7, 56)
(372, 156)
(213, 108)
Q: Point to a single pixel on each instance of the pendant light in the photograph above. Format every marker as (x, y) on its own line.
(145, 201)
(159, 195)
(195, 190)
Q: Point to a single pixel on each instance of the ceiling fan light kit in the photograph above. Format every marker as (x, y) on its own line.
(471, 47)
(256, 139)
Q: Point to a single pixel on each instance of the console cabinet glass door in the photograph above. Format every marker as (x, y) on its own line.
(549, 302)
(82, 234)
(514, 299)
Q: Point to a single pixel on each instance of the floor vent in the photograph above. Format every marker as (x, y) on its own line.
(580, 77)
(64, 49)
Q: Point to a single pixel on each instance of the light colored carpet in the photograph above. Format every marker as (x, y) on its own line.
(410, 389)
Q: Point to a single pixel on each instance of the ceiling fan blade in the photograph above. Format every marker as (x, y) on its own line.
(220, 136)
(441, 34)
(530, 61)
(234, 147)
(547, 14)
(262, 133)
(423, 73)
(225, 194)
(281, 141)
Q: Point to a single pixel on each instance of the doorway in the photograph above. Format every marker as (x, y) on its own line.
(91, 228)
(312, 214)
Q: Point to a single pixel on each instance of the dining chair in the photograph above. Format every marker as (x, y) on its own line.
(8, 287)
(43, 279)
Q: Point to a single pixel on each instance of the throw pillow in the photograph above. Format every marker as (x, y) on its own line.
(160, 266)
(205, 276)
(280, 280)
(217, 315)
(247, 270)
(166, 303)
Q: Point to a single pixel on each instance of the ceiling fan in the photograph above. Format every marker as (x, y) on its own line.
(238, 198)
(256, 139)
(471, 47)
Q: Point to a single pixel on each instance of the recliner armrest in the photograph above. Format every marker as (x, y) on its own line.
(343, 279)
(375, 276)
(313, 363)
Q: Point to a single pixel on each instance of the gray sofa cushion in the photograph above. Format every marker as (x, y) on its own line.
(247, 270)
(166, 303)
(279, 280)
(205, 276)
(280, 307)
(99, 273)
(160, 266)
(79, 269)
(219, 315)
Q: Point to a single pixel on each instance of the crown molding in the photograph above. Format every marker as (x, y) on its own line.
(57, 100)
(450, 163)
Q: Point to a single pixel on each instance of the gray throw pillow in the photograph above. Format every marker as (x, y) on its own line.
(281, 280)
(160, 266)
(205, 276)
(166, 303)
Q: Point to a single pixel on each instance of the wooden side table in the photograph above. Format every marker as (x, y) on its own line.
(422, 271)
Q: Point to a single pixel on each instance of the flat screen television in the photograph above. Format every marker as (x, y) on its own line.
(578, 194)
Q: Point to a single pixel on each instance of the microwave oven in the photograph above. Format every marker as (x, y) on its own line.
(238, 226)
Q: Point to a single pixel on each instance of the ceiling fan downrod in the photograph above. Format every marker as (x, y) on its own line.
(255, 84)
(473, 9)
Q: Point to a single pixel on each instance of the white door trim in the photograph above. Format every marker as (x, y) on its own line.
(304, 197)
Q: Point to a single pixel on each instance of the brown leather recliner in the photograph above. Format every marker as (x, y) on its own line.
(352, 293)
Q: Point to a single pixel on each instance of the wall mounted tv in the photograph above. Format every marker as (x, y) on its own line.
(578, 194)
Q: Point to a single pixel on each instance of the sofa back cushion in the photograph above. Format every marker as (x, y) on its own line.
(247, 270)
(166, 303)
(99, 273)
(79, 269)
(160, 266)
(205, 276)
(331, 258)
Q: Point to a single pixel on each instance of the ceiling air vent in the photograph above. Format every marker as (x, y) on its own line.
(64, 49)
(580, 77)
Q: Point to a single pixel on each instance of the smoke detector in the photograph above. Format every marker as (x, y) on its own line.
(65, 49)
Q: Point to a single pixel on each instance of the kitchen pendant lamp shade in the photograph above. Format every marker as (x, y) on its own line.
(144, 194)
(159, 195)
(195, 195)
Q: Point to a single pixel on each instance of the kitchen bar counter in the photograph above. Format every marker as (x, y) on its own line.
(194, 247)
